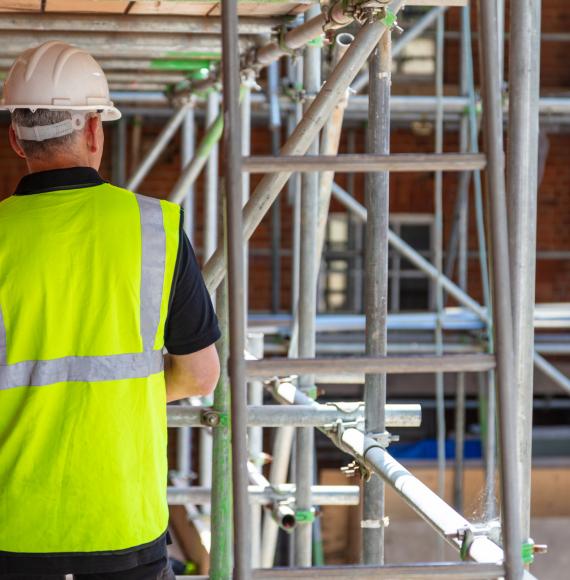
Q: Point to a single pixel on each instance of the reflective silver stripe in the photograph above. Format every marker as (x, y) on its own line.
(153, 265)
(88, 369)
(3, 356)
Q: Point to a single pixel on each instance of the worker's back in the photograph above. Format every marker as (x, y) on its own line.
(85, 278)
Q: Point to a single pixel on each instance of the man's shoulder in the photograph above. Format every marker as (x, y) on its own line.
(171, 211)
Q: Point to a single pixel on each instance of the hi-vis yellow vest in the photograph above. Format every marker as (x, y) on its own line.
(85, 279)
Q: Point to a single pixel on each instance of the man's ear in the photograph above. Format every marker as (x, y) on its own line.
(94, 132)
(15, 144)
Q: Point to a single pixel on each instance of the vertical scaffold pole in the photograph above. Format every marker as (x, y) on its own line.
(438, 262)
(210, 241)
(255, 440)
(522, 171)
(304, 456)
(188, 141)
(188, 146)
(376, 286)
(275, 127)
(503, 321)
(245, 109)
(463, 243)
(221, 518)
(120, 153)
(236, 301)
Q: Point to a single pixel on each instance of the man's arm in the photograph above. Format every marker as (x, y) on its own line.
(192, 367)
(191, 375)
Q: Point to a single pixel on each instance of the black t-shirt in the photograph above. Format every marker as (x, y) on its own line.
(191, 325)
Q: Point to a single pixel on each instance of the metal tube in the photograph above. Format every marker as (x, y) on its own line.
(385, 364)
(411, 34)
(245, 111)
(209, 242)
(255, 440)
(376, 288)
(299, 37)
(304, 134)
(438, 263)
(330, 140)
(277, 474)
(188, 139)
(428, 505)
(129, 23)
(158, 147)
(463, 235)
(283, 443)
(266, 494)
(493, 123)
(389, 572)
(236, 298)
(397, 415)
(401, 162)
(307, 310)
(211, 203)
(459, 442)
(522, 171)
(221, 497)
(275, 127)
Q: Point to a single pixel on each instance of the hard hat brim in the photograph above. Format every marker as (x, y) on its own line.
(108, 112)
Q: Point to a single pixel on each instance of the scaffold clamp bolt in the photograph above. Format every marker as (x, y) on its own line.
(211, 418)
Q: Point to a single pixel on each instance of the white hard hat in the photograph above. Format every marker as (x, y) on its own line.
(58, 76)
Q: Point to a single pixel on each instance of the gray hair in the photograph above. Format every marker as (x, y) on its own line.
(40, 117)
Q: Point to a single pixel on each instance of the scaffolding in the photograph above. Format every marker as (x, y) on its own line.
(502, 353)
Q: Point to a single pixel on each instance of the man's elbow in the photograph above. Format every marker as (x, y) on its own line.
(206, 383)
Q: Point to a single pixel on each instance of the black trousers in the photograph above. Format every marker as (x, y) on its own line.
(159, 570)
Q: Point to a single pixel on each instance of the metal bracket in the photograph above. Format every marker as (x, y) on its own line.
(384, 439)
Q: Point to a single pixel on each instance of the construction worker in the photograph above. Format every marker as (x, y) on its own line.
(94, 282)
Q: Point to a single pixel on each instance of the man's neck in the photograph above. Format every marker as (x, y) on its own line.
(35, 165)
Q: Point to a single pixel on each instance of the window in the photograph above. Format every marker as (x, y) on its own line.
(341, 278)
(409, 288)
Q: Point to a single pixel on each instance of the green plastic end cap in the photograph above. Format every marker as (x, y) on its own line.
(389, 18)
(528, 553)
(305, 516)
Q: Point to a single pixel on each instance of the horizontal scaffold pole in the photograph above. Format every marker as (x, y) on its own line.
(404, 415)
(388, 364)
(266, 495)
(403, 162)
(466, 571)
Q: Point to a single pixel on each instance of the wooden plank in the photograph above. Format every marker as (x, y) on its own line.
(103, 6)
(176, 8)
(434, 3)
(264, 9)
(21, 6)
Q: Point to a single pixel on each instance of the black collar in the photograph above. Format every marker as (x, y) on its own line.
(57, 179)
